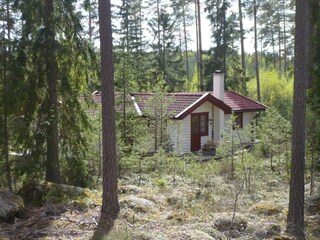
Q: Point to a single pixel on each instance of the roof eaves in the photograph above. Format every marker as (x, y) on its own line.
(190, 106)
(262, 105)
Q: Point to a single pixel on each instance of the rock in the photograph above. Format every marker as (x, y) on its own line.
(138, 204)
(268, 208)
(173, 200)
(10, 206)
(179, 216)
(143, 235)
(284, 237)
(36, 194)
(129, 189)
(312, 225)
(191, 235)
(223, 223)
(267, 230)
(313, 204)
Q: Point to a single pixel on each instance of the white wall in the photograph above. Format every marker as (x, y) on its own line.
(180, 130)
(246, 121)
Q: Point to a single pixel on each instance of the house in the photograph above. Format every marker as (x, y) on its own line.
(199, 117)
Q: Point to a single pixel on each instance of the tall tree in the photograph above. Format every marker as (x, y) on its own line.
(255, 7)
(167, 64)
(47, 43)
(110, 205)
(295, 220)
(243, 56)
(199, 45)
(183, 17)
(52, 164)
(224, 32)
(6, 49)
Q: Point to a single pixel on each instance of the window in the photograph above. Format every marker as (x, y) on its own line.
(199, 123)
(204, 124)
(238, 119)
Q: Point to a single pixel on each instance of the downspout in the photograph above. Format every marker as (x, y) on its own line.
(212, 122)
(256, 124)
(256, 117)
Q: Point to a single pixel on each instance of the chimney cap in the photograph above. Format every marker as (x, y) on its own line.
(218, 71)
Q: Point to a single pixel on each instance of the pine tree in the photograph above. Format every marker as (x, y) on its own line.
(295, 221)
(110, 205)
(166, 64)
(55, 65)
(183, 18)
(224, 32)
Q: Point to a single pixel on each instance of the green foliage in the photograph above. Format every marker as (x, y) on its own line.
(274, 133)
(156, 110)
(276, 92)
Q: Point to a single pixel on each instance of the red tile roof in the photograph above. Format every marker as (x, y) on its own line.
(241, 103)
(182, 104)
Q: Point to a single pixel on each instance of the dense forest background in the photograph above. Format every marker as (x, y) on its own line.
(49, 68)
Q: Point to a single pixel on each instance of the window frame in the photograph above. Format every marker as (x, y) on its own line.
(238, 120)
(206, 122)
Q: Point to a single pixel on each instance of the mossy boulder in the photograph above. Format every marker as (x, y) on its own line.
(268, 208)
(313, 205)
(178, 216)
(129, 189)
(37, 193)
(191, 235)
(224, 222)
(10, 206)
(138, 204)
(266, 230)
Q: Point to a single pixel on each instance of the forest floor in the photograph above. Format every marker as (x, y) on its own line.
(170, 206)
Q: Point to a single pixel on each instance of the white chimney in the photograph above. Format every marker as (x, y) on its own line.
(218, 114)
(218, 85)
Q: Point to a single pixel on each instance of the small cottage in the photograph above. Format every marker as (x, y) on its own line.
(202, 117)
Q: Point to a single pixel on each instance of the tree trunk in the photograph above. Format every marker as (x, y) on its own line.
(186, 42)
(6, 51)
(200, 71)
(279, 46)
(243, 57)
(295, 221)
(284, 41)
(199, 44)
(110, 205)
(256, 50)
(52, 164)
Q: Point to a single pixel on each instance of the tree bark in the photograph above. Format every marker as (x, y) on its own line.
(243, 57)
(256, 49)
(186, 42)
(110, 205)
(295, 220)
(199, 44)
(52, 164)
(6, 54)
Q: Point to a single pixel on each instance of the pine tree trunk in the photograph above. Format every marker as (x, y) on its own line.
(110, 205)
(273, 49)
(186, 42)
(243, 57)
(52, 164)
(279, 46)
(295, 221)
(200, 47)
(284, 41)
(256, 50)
(6, 54)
